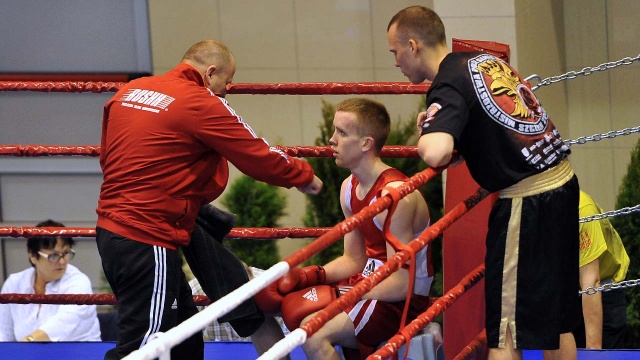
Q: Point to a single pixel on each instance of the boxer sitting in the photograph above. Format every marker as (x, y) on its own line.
(361, 129)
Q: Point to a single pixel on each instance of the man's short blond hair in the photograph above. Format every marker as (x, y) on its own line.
(373, 119)
(209, 52)
(420, 23)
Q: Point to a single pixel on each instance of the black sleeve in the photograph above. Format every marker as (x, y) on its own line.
(447, 112)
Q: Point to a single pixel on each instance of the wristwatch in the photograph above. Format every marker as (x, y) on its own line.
(30, 338)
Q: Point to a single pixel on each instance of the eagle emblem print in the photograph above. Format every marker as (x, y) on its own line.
(505, 98)
(511, 104)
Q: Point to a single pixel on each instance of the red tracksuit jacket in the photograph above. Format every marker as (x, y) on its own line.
(164, 149)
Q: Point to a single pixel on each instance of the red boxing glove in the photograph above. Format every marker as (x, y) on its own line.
(300, 278)
(269, 299)
(302, 303)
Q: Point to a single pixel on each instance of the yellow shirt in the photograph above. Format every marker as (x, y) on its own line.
(599, 240)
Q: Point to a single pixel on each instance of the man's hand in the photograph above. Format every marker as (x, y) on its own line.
(313, 188)
(422, 116)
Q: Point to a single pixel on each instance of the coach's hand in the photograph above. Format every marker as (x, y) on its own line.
(313, 188)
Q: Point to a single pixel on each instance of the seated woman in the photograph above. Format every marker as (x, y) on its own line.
(50, 273)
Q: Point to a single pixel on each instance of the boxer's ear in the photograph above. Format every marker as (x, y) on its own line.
(367, 143)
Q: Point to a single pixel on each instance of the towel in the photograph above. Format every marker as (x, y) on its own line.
(219, 270)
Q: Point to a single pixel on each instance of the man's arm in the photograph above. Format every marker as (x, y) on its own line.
(592, 246)
(394, 288)
(592, 305)
(229, 135)
(354, 256)
(435, 148)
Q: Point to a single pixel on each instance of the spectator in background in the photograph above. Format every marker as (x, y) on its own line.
(603, 260)
(50, 273)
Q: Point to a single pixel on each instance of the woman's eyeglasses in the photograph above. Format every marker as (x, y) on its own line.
(55, 257)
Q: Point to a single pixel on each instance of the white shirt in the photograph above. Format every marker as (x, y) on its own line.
(60, 322)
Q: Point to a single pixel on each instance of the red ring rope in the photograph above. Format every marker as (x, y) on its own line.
(61, 86)
(329, 88)
(49, 150)
(235, 233)
(397, 246)
(395, 151)
(393, 264)
(319, 88)
(392, 346)
(76, 299)
(472, 350)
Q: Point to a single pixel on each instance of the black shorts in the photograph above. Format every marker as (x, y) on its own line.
(532, 277)
(152, 291)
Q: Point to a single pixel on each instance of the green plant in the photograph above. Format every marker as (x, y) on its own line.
(628, 226)
(256, 204)
(324, 210)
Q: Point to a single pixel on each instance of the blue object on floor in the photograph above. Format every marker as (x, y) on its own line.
(96, 350)
(585, 354)
(221, 350)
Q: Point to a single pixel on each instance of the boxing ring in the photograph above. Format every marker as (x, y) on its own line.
(463, 195)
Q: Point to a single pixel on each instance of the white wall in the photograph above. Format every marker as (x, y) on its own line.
(67, 36)
(74, 36)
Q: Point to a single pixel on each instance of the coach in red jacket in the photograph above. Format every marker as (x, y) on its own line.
(165, 144)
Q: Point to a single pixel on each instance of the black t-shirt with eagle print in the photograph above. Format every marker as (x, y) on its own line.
(498, 124)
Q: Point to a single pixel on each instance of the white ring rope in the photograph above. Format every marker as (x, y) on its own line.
(163, 342)
(285, 346)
